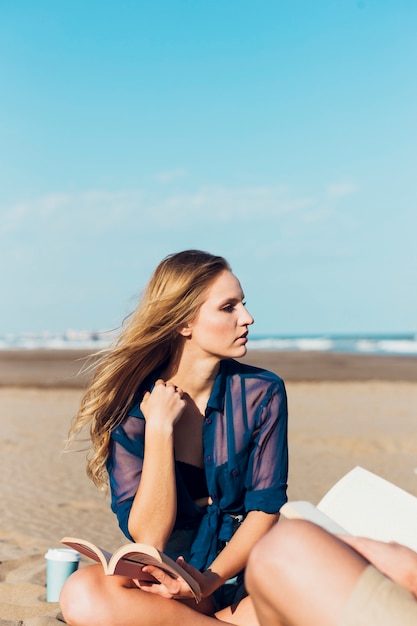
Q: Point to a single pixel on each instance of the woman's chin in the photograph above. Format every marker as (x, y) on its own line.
(240, 352)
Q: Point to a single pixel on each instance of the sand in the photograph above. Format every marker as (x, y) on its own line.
(345, 410)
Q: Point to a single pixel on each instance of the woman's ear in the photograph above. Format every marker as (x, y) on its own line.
(185, 331)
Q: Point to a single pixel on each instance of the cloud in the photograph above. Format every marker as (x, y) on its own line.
(100, 211)
(51, 203)
(12, 217)
(318, 215)
(225, 204)
(95, 210)
(339, 190)
(170, 176)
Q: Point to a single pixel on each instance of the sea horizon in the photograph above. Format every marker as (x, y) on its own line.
(357, 343)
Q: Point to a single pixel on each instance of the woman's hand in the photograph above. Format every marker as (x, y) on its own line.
(177, 588)
(165, 404)
(392, 559)
(165, 585)
(208, 580)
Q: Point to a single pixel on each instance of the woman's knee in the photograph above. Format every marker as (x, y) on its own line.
(80, 597)
(280, 551)
(265, 555)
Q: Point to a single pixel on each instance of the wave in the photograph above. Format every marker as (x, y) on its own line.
(68, 340)
(95, 340)
(364, 344)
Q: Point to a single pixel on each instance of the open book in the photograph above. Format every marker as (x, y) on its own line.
(363, 504)
(130, 559)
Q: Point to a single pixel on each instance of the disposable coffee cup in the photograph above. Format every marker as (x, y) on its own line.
(60, 564)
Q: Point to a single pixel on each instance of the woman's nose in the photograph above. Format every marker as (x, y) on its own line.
(246, 318)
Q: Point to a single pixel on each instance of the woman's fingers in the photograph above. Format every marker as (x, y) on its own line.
(176, 389)
(165, 400)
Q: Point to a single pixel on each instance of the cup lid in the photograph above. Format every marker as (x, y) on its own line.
(62, 554)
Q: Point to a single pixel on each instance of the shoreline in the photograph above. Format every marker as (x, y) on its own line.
(45, 368)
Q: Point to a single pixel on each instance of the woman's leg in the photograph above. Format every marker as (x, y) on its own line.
(90, 598)
(298, 574)
(243, 613)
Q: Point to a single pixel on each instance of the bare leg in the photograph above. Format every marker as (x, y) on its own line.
(298, 574)
(89, 598)
(242, 614)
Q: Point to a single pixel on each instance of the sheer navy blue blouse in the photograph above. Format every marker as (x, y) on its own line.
(245, 457)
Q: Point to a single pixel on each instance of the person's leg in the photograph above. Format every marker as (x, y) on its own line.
(89, 598)
(242, 614)
(298, 574)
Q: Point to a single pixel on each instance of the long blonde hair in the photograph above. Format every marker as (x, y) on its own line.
(149, 340)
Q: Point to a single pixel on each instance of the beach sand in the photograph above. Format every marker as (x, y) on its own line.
(345, 410)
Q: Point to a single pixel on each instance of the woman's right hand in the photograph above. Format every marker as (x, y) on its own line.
(165, 403)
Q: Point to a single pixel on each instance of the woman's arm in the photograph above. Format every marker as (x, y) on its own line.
(153, 511)
(234, 556)
(231, 560)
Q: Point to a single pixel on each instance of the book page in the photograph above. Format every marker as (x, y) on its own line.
(301, 509)
(370, 506)
(129, 560)
(139, 548)
(132, 567)
(88, 549)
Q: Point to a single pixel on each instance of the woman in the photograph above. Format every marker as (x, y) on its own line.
(194, 445)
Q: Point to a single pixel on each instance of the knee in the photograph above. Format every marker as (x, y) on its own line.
(79, 600)
(265, 559)
(280, 553)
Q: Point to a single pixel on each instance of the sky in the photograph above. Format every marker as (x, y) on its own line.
(281, 134)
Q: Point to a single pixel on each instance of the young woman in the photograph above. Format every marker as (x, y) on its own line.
(193, 444)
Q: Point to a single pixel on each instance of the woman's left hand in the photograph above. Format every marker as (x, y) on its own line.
(166, 586)
(177, 588)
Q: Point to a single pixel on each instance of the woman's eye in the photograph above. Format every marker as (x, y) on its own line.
(229, 308)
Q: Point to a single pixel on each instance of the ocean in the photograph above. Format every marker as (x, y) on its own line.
(395, 344)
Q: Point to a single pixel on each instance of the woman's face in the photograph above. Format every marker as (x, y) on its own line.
(221, 326)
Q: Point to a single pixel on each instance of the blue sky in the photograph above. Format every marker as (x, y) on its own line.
(280, 134)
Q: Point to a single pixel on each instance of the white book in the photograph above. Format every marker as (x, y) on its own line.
(363, 504)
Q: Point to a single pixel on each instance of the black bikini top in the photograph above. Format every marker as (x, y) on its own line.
(194, 479)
